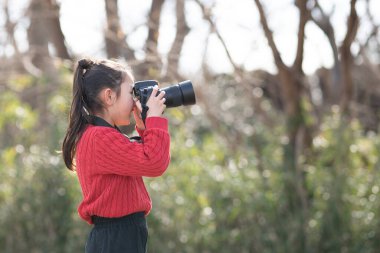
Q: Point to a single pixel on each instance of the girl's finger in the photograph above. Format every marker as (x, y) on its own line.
(138, 105)
(154, 92)
(161, 95)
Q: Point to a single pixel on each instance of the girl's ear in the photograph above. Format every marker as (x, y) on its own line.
(108, 96)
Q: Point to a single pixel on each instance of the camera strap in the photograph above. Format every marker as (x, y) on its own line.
(97, 121)
(144, 107)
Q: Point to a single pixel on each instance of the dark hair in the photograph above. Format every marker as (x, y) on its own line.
(90, 78)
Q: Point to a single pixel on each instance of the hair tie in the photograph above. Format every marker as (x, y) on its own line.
(85, 63)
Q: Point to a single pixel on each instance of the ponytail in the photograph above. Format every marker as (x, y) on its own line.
(79, 114)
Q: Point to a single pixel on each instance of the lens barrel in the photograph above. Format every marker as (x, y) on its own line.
(175, 95)
(179, 94)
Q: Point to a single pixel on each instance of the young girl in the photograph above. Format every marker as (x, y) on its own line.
(109, 165)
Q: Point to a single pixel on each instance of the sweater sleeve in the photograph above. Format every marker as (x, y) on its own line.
(115, 154)
(140, 131)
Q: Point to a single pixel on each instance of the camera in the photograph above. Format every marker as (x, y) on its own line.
(175, 95)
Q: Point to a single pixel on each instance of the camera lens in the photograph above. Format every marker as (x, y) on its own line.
(175, 95)
(179, 94)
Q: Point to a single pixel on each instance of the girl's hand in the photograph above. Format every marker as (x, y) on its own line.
(137, 115)
(155, 103)
(156, 107)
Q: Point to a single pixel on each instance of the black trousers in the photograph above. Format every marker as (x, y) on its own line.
(128, 234)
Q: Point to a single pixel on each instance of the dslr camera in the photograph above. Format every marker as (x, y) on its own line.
(175, 95)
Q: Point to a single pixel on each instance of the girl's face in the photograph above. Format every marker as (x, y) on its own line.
(120, 111)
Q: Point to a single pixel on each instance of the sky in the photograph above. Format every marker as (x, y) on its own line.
(83, 23)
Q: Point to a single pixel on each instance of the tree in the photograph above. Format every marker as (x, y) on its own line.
(260, 164)
(291, 81)
(116, 45)
(343, 59)
(181, 32)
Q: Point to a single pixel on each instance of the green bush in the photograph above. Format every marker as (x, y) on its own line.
(215, 196)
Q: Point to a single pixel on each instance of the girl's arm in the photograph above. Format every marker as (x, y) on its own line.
(115, 154)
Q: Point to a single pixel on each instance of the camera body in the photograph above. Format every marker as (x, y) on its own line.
(175, 95)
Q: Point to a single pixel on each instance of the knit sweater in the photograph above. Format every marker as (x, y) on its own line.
(110, 168)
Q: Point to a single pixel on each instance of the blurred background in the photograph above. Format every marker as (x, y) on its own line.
(280, 153)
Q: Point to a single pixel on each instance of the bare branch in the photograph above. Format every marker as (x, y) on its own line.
(207, 16)
(240, 78)
(116, 44)
(323, 22)
(55, 31)
(269, 35)
(352, 26)
(25, 60)
(10, 28)
(304, 18)
(153, 25)
(182, 31)
(375, 28)
(152, 66)
(346, 57)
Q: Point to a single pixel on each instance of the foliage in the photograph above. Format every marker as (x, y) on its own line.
(215, 196)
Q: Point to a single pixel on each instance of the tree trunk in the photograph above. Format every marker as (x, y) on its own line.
(295, 188)
(113, 28)
(38, 34)
(115, 38)
(45, 27)
(175, 51)
(56, 35)
(154, 25)
(346, 58)
(153, 64)
(331, 90)
(341, 88)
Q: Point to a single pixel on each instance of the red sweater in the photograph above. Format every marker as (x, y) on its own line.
(110, 168)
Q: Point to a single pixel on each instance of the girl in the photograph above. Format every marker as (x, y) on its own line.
(109, 165)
